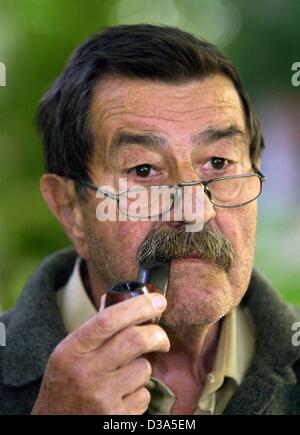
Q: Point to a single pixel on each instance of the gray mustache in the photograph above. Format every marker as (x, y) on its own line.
(167, 244)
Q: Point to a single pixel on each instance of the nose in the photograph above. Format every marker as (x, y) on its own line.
(209, 210)
(195, 207)
(192, 206)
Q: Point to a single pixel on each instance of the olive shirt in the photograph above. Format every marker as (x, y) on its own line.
(271, 385)
(233, 358)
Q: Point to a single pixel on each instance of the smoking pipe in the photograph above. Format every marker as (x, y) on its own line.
(152, 277)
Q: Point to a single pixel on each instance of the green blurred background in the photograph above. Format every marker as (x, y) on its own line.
(36, 39)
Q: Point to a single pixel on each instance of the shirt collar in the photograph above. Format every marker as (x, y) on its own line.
(235, 350)
(234, 355)
(73, 301)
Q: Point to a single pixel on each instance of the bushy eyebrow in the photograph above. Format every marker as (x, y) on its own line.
(149, 139)
(214, 134)
(124, 138)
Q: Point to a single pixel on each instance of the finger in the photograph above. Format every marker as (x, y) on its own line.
(137, 402)
(130, 344)
(113, 319)
(132, 376)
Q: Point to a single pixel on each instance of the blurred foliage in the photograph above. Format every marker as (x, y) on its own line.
(36, 39)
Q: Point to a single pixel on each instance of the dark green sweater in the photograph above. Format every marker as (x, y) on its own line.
(33, 329)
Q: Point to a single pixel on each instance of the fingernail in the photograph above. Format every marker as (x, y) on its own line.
(102, 302)
(159, 302)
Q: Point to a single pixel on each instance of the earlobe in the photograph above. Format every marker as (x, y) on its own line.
(60, 196)
(61, 199)
(48, 192)
(54, 192)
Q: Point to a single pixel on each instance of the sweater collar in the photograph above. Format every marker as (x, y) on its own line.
(35, 327)
(275, 354)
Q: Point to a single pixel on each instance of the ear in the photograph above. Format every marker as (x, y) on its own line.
(61, 197)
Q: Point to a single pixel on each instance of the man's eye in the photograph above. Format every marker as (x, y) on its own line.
(218, 163)
(142, 171)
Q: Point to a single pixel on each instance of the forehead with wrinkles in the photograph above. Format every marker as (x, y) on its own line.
(170, 110)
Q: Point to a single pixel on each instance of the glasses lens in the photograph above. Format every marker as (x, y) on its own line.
(235, 191)
(148, 202)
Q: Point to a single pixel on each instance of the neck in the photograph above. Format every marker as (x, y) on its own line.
(191, 352)
(94, 287)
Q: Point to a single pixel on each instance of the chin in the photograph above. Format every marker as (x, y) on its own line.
(199, 294)
(203, 309)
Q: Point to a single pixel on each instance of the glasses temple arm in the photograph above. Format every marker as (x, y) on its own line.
(98, 189)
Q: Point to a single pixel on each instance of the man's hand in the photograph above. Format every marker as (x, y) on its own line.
(98, 369)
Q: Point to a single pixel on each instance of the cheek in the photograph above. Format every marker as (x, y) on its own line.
(132, 234)
(239, 226)
(123, 238)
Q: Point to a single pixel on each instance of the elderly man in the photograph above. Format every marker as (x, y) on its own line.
(154, 106)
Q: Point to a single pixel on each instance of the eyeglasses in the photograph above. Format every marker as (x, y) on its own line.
(225, 192)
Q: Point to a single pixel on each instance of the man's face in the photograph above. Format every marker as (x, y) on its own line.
(185, 118)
